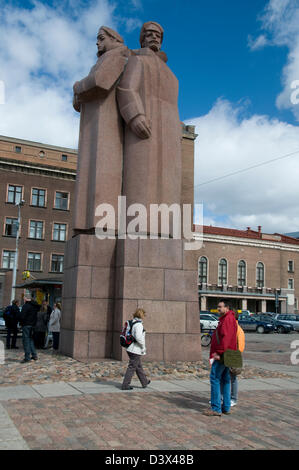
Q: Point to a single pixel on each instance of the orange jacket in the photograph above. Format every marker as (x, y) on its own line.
(240, 338)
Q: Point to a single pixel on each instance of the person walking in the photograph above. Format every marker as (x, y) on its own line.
(224, 337)
(10, 316)
(135, 351)
(28, 317)
(40, 328)
(54, 325)
(46, 308)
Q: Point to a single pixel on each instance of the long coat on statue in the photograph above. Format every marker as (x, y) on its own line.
(99, 177)
(152, 167)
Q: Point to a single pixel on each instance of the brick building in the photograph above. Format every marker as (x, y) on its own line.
(44, 177)
(255, 270)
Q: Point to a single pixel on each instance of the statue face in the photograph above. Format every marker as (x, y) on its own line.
(105, 42)
(152, 38)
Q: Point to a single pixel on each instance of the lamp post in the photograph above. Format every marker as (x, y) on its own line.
(15, 267)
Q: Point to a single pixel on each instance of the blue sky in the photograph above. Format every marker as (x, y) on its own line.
(235, 61)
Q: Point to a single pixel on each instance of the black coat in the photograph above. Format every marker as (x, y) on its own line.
(28, 314)
(11, 321)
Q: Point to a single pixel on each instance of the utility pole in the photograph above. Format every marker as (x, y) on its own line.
(15, 267)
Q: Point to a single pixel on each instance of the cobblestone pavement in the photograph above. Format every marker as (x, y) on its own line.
(162, 420)
(59, 403)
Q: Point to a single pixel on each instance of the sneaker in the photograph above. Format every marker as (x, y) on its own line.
(233, 403)
(34, 358)
(127, 388)
(144, 386)
(25, 360)
(211, 413)
(226, 412)
(14, 347)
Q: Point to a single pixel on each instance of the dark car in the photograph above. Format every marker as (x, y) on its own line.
(280, 327)
(289, 318)
(249, 323)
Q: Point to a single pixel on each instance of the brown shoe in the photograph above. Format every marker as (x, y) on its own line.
(226, 412)
(211, 413)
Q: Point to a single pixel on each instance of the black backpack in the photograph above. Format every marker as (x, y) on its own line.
(7, 314)
(126, 338)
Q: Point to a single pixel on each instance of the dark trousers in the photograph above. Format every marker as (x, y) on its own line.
(134, 366)
(55, 340)
(11, 330)
(39, 339)
(28, 343)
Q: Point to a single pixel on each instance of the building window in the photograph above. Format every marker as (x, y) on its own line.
(11, 227)
(242, 273)
(290, 266)
(14, 194)
(59, 232)
(260, 273)
(57, 263)
(291, 284)
(8, 259)
(61, 200)
(222, 272)
(36, 229)
(203, 270)
(34, 262)
(18, 149)
(38, 197)
(64, 158)
(42, 154)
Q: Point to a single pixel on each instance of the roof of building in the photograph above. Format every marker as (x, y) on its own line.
(249, 233)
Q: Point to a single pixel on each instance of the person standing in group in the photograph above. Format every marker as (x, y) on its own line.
(54, 325)
(46, 309)
(10, 315)
(40, 328)
(234, 377)
(28, 318)
(224, 337)
(135, 351)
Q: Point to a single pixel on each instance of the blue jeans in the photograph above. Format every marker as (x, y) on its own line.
(234, 387)
(28, 343)
(220, 381)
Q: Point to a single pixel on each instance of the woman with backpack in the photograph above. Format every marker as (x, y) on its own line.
(135, 351)
(40, 329)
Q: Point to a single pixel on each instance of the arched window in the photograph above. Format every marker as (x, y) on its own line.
(260, 275)
(242, 273)
(203, 270)
(222, 272)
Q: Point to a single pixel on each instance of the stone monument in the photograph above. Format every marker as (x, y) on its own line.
(106, 280)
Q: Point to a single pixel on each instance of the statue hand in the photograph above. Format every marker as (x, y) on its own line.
(140, 127)
(76, 103)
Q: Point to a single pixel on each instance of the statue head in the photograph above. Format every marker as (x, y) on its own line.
(107, 39)
(151, 35)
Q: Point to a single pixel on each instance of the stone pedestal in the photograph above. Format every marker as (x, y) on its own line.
(106, 280)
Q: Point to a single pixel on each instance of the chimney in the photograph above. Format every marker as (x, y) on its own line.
(259, 229)
(248, 228)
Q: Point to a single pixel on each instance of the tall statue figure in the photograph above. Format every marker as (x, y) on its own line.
(147, 96)
(101, 131)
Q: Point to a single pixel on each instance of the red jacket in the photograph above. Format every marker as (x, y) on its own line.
(227, 333)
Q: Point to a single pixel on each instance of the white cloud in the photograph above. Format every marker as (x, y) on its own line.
(280, 21)
(228, 142)
(44, 50)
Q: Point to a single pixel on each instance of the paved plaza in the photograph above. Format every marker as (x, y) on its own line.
(94, 414)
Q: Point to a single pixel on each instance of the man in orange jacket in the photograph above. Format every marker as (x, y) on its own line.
(225, 337)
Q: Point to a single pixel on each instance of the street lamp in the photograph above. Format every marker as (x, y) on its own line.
(15, 267)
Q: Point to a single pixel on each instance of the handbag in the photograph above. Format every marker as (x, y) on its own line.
(231, 359)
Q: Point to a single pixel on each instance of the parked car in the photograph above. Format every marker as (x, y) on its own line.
(2, 322)
(280, 327)
(288, 318)
(208, 321)
(249, 323)
(245, 312)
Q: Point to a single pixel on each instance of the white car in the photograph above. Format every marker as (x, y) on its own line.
(2, 324)
(208, 321)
